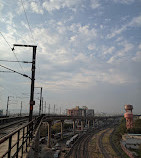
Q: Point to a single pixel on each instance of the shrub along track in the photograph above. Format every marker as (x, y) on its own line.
(100, 145)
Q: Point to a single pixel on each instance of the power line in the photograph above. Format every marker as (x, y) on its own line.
(7, 71)
(16, 61)
(12, 50)
(15, 71)
(6, 41)
(27, 21)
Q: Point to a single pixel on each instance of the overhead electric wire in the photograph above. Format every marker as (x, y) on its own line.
(6, 41)
(7, 71)
(12, 51)
(15, 71)
(27, 21)
(30, 30)
(16, 61)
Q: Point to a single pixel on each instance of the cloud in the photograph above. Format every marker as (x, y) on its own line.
(91, 47)
(1, 6)
(8, 18)
(94, 4)
(51, 5)
(82, 33)
(31, 6)
(108, 50)
(122, 54)
(137, 58)
(36, 8)
(124, 1)
(135, 22)
(139, 46)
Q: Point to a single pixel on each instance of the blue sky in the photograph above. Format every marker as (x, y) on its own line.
(88, 52)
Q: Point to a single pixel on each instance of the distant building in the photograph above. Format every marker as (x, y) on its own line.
(129, 116)
(131, 141)
(84, 111)
(90, 112)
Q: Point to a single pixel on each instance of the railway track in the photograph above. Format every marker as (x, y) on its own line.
(105, 144)
(80, 149)
(8, 128)
(101, 145)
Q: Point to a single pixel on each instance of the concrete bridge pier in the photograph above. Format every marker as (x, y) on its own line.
(88, 123)
(82, 125)
(49, 134)
(74, 127)
(62, 124)
(97, 123)
(106, 121)
(93, 123)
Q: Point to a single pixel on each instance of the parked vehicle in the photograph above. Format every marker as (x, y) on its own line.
(57, 154)
(57, 146)
(72, 140)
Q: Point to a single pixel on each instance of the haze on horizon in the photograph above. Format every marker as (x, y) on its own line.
(88, 53)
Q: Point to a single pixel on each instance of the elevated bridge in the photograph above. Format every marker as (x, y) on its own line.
(21, 140)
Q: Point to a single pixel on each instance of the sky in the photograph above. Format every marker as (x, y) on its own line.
(88, 53)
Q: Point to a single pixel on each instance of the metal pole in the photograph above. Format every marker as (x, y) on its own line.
(42, 105)
(21, 109)
(32, 83)
(7, 106)
(49, 109)
(40, 102)
(60, 110)
(45, 107)
(32, 102)
(54, 108)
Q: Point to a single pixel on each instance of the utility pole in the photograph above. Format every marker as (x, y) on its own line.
(8, 99)
(32, 102)
(21, 109)
(54, 108)
(42, 104)
(7, 106)
(49, 109)
(45, 107)
(60, 110)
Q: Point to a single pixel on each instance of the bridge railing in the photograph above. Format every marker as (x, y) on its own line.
(35, 147)
(18, 141)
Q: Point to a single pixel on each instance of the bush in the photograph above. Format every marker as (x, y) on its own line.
(136, 127)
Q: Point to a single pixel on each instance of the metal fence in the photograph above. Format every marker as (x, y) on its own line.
(16, 143)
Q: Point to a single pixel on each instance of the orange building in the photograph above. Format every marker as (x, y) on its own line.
(129, 116)
(77, 111)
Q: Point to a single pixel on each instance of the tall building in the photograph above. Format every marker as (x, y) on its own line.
(129, 116)
(84, 111)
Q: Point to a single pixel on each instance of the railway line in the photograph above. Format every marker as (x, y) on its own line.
(101, 145)
(95, 144)
(105, 144)
(81, 150)
(10, 127)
